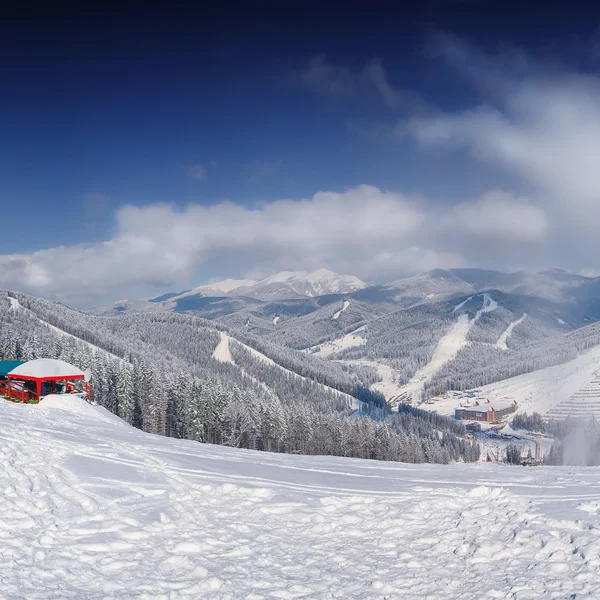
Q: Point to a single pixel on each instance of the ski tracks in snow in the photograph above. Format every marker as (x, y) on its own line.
(93, 509)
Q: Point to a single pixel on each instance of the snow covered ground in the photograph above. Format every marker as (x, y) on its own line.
(350, 340)
(16, 305)
(93, 509)
(541, 391)
(387, 386)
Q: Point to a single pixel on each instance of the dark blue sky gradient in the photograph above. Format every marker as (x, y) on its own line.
(121, 101)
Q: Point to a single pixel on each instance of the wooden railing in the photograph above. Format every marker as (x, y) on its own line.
(17, 391)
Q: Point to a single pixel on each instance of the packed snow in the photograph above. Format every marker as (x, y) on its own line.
(350, 340)
(221, 352)
(501, 343)
(339, 312)
(94, 509)
(47, 367)
(447, 348)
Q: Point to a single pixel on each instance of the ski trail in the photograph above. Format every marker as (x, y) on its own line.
(222, 353)
(459, 306)
(501, 343)
(14, 303)
(446, 349)
(339, 312)
(350, 340)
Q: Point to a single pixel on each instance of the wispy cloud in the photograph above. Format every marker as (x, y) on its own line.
(337, 82)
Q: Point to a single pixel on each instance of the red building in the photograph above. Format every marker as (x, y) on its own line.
(490, 412)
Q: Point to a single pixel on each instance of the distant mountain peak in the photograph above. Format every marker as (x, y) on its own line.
(282, 285)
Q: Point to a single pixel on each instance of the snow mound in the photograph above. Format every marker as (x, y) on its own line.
(76, 405)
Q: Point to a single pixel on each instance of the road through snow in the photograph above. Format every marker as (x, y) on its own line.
(94, 509)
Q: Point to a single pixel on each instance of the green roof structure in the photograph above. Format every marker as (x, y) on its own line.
(6, 366)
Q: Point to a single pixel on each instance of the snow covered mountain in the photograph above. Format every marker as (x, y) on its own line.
(281, 286)
(550, 284)
(93, 508)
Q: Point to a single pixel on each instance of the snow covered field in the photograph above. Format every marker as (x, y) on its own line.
(92, 508)
(350, 340)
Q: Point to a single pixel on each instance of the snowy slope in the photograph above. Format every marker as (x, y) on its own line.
(218, 288)
(93, 509)
(16, 305)
(222, 353)
(447, 348)
(350, 340)
(542, 391)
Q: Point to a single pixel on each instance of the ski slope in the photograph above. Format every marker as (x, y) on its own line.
(350, 340)
(447, 348)
(501, 343)
(94, 509)
(544, 390)
(337, 314)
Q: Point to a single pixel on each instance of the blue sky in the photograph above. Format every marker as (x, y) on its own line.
(111, 110)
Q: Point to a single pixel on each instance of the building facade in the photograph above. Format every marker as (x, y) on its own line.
(484, 412)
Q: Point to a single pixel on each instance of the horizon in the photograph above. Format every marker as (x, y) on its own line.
(144, 155)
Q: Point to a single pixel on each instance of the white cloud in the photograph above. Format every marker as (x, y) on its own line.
(590, 272)
(498, 215)
(374, 234)
(161, 245)
(538, 121)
